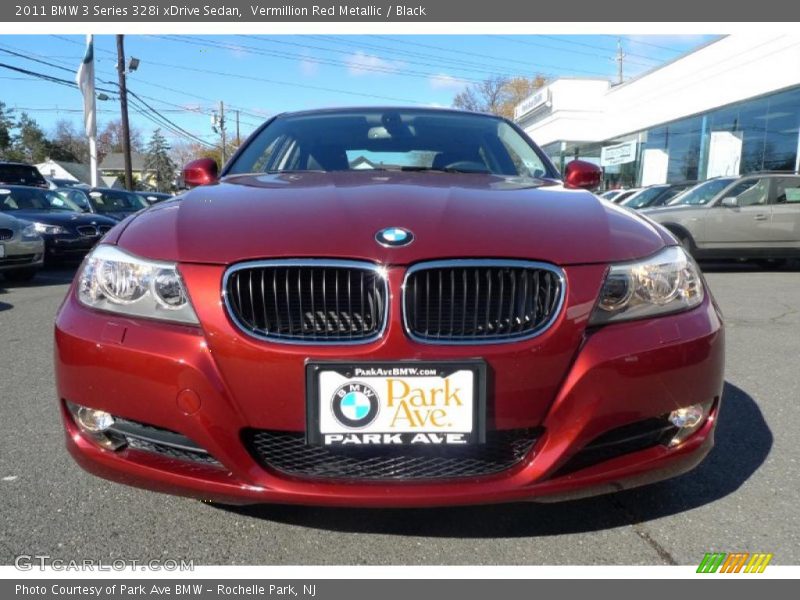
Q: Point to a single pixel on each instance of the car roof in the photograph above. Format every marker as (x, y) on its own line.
(427, 109)
(16, 186)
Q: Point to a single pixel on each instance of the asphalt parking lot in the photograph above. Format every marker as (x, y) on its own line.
(742, 498)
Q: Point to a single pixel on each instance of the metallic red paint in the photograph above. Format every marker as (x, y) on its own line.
(200, 172)
(337, 215)
(582, 174)
(576, 384)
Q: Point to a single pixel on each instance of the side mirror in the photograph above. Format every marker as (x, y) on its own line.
(583, 175)
(729, 202)
(200, 172)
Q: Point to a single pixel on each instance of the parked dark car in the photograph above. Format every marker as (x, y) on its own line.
(67, 232)
(21, 249)
(656, 195)
(111, 203)
(58, 182)
(14, 173)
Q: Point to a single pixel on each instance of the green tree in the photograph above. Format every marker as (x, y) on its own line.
(157, 159)
(7, 125)
(30, 141)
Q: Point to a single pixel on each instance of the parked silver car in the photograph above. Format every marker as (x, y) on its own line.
(755, 217)
(21, 249)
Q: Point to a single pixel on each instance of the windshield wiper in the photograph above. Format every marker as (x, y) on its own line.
(444, 170)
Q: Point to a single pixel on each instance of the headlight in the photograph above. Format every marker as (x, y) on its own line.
(116, 281)
(48, 229)
(29, 232)
(665, 283)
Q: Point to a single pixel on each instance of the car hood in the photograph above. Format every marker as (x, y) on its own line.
(337, 214)
(60, 217)
(9, 222)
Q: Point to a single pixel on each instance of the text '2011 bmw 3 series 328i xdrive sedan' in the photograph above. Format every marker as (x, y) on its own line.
(388, 307)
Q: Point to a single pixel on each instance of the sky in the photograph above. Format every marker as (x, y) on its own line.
(184, 77)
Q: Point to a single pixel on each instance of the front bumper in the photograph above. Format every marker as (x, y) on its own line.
(21, 254)
(622, 374)
(69, 246)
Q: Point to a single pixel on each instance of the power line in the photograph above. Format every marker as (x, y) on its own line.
(386, 68)
(109, 82)
(71, 84)
(596, 47)
(458, 64)
(633, 40)
(174, 125)
(518, 61)
(279, 82)
(593, 53)
(243, 110)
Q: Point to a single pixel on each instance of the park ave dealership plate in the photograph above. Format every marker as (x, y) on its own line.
(396, 403)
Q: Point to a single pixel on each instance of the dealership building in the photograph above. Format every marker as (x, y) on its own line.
(731, 107)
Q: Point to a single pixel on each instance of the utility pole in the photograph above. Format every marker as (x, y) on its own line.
(619, 59)
(238, 139)
(123, 104)
(221, 124)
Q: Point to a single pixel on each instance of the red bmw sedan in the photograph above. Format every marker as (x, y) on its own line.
(388, 307)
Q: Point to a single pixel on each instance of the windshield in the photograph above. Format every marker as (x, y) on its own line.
(24, 198)
(75, 196)
(643, 198)
(396, 140)
(702, 193)
(116, 201)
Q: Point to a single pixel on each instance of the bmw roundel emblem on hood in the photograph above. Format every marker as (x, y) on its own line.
(394, 236)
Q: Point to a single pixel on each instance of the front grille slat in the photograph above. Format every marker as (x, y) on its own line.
(6, 234)
(288, 453)
(307, 301)
(476, 301)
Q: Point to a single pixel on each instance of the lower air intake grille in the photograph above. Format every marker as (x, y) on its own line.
(633, 437)
(87, 230)
(310, 301)
(468, 301)
(288, 453)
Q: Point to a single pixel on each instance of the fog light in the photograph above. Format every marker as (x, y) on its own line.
(94, 421)
(688, 419)
(94, 424)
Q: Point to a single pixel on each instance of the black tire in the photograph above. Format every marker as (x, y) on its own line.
(21, 274)
(685, 240)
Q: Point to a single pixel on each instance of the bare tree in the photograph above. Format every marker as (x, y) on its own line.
(497, 95)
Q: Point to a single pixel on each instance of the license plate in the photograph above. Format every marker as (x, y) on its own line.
(395, 403)
(2, 251)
